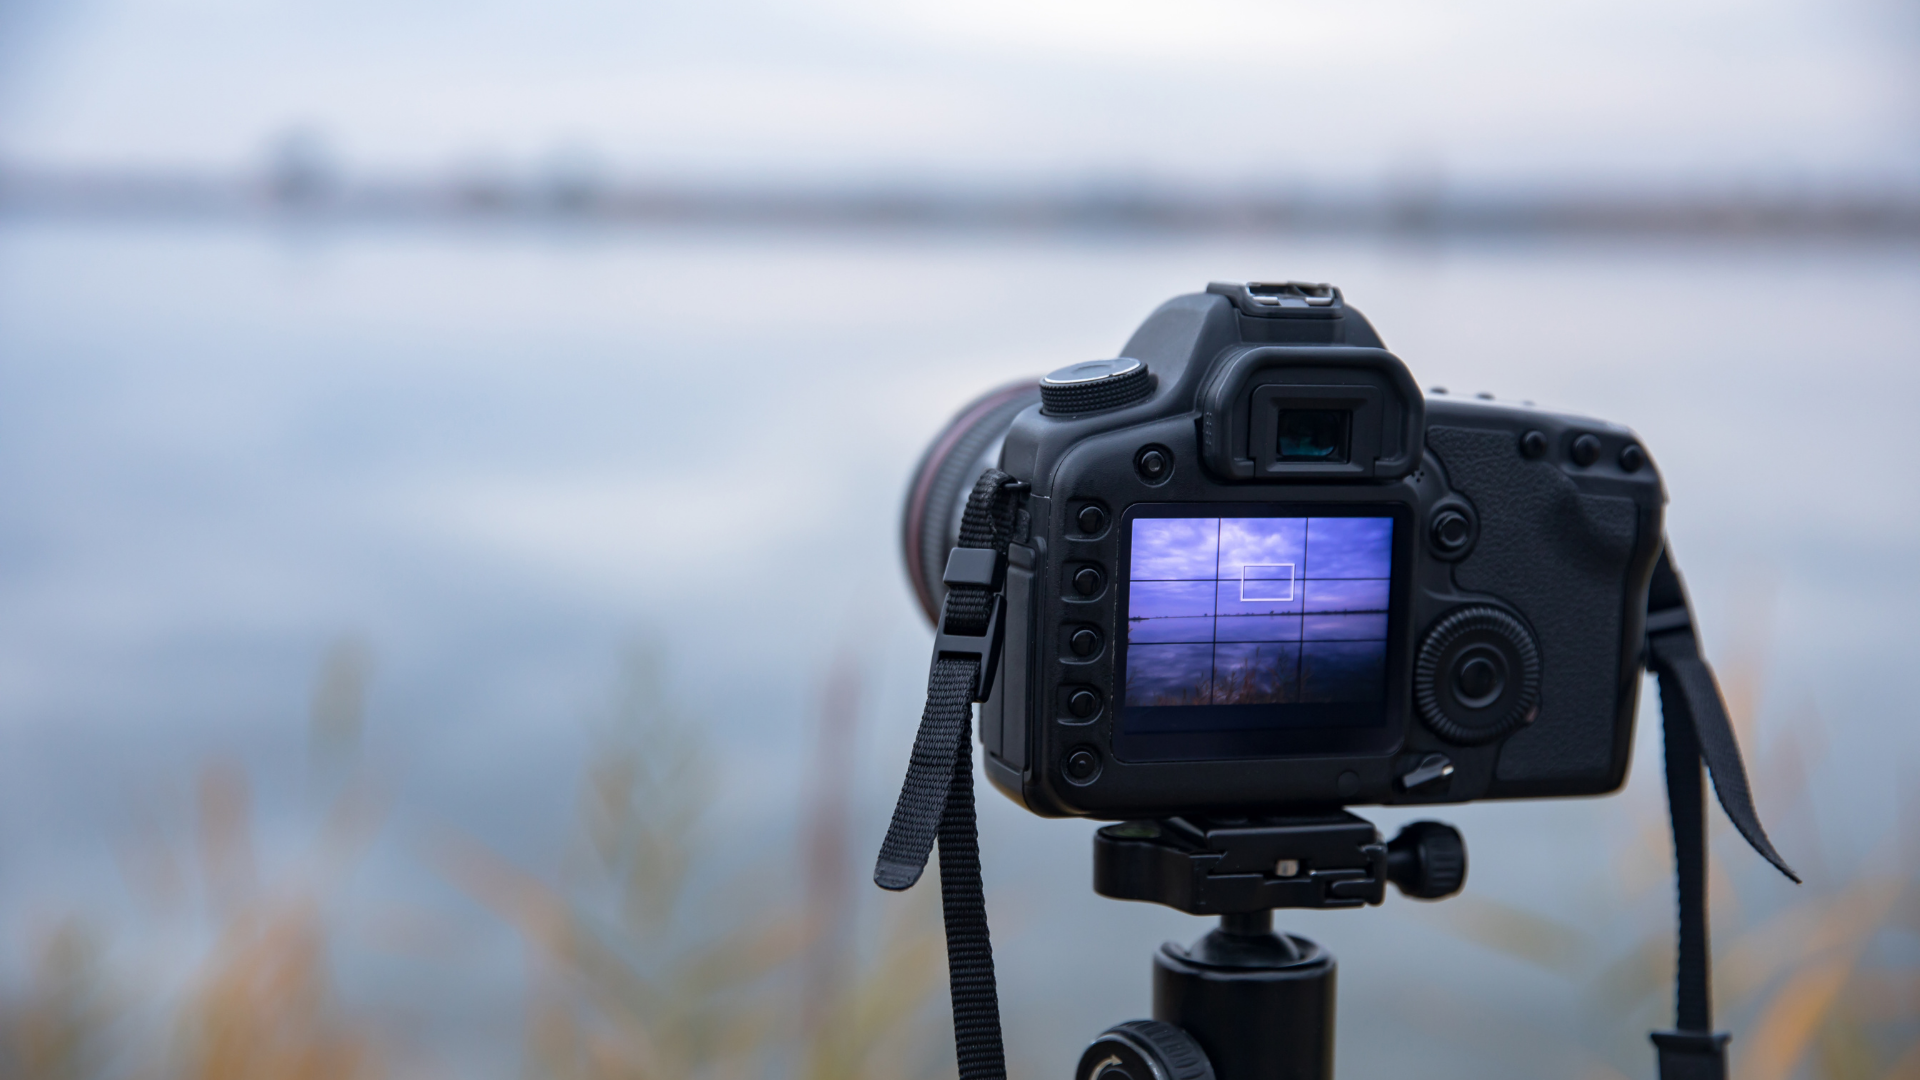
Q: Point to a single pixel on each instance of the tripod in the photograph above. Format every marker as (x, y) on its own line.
(1244, 1002)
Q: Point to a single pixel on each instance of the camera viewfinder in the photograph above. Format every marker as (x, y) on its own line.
(1314, 434)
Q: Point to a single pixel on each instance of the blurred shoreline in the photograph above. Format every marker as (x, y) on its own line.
(1888, 214)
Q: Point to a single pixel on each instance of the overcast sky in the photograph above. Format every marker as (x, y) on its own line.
(1208, 92)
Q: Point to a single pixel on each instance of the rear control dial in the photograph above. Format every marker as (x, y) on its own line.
(1477, 677)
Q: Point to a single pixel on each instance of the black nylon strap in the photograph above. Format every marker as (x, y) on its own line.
(1687, 808)
(1696, 728)
(936, 801)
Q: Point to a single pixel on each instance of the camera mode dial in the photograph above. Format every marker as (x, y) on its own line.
(1477, 677)
(1093, 386)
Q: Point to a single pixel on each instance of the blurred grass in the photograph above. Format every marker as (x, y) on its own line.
(644, 971)
(264, 1003)
(54, 1026)
(261, 1000)
(660, 947)
(645, 962)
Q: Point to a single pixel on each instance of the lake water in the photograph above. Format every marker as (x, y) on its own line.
(493, 459)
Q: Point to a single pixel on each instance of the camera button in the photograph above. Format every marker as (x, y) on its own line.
(1586, 450)
(1154, 464)
(1081, 765)
(1091, 520)
(1083, 703)
(1431, 768)
(1087, 581)
(1084, 642)
(1451, 532)
(1632, 458)
(1533, 444)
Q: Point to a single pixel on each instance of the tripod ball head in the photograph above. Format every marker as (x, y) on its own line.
(1144, 1050)
(1427, 861)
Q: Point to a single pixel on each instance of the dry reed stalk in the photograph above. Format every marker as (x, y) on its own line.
(57, 1028)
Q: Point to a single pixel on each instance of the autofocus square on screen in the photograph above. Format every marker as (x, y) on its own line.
(1257, 610)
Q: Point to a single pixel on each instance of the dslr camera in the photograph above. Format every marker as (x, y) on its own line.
(1246, 575)
(1257, 570)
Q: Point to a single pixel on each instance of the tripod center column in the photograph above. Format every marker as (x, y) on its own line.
(1260, 1004)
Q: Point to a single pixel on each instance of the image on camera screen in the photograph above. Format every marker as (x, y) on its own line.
(1256, 622)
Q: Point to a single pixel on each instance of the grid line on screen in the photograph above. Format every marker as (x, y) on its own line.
(1195, 638)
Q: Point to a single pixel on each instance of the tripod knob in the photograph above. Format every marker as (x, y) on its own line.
(1144, 1050)
(1427, 860)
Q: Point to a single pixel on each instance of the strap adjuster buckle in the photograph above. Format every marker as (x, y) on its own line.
(984, 648)
(980, 566)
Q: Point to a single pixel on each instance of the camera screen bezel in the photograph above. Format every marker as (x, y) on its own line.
(1258, 744)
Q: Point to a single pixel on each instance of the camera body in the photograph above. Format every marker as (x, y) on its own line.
(1259, 571)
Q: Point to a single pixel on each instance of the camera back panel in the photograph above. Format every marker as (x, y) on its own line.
(1284, 578)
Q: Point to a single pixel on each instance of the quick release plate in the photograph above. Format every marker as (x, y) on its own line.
(1227, 866)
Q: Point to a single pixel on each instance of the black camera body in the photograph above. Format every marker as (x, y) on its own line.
(1259, 571)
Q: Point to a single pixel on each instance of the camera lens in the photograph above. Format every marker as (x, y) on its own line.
(930, 523)
(1314, 434)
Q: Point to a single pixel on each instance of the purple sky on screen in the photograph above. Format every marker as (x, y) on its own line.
(1346, 547)
(1170, 599)
(1231, 604)
(1260, 540)
(1174, 548)
(1344, 628)
(1258, 628)
(1339, 565)
(1363, 594)
(1170, 611)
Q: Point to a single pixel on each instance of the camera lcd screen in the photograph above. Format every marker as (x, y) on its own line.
(1253, 636)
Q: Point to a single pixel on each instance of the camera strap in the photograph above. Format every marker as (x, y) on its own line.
(936, 801)
(1697, 729)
